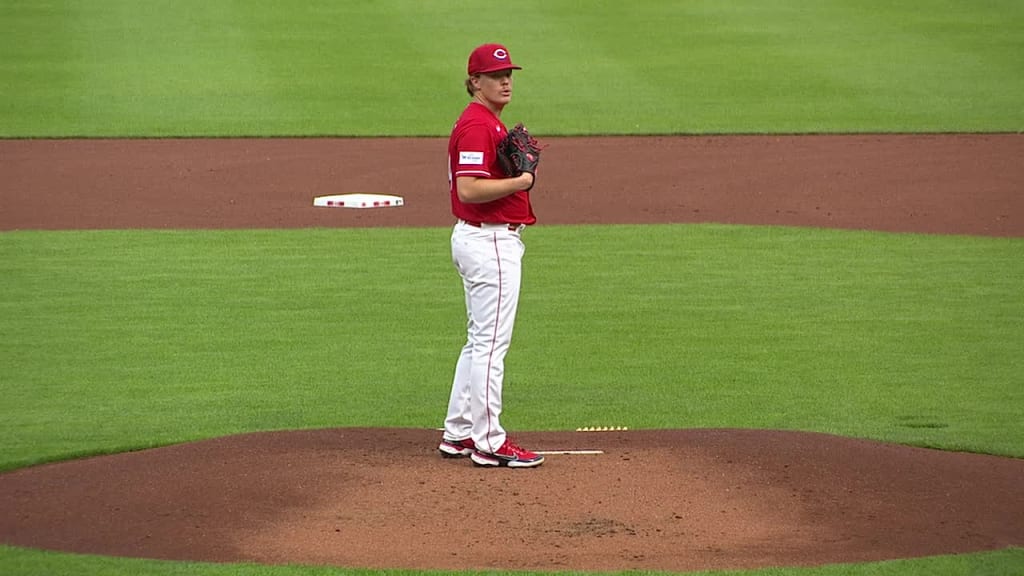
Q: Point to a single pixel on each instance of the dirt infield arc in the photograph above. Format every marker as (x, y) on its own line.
(661, 500)
(943, 184)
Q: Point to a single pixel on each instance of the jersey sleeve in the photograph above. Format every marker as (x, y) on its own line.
(474, 152)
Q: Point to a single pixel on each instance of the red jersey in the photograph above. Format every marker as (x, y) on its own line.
(472, 151)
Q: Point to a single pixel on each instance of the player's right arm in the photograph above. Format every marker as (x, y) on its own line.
(476, 190)
(475, 168)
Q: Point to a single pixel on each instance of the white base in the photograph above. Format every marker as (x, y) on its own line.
(359, 201)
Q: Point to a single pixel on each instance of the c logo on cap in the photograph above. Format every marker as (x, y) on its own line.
(501, 54)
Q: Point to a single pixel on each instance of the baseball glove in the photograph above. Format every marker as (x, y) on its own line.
(519, 152)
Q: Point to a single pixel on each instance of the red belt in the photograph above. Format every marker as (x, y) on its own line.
(512, 227)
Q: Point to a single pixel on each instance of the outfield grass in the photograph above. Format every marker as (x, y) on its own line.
(395, 67)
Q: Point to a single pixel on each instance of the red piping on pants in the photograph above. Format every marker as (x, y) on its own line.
(494, 337)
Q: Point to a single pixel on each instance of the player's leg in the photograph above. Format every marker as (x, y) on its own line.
(458, 424)
(501, 299)
(494, 299)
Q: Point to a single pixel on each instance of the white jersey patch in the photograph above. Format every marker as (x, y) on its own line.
(476, 158)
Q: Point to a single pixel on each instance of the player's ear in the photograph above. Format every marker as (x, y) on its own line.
(470, 85)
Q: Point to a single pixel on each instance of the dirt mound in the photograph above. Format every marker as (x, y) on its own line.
(653, 500)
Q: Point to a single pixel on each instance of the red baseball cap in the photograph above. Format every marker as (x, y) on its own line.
(490, 58)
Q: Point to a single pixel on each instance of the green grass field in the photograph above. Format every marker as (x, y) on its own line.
(214, 68)
(116, 340)
(135, 338)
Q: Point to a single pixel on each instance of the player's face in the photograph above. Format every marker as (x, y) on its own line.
(496, 87)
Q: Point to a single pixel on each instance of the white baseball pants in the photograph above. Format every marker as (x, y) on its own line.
(489, 259)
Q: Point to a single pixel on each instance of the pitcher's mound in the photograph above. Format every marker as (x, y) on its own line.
(672, 500)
